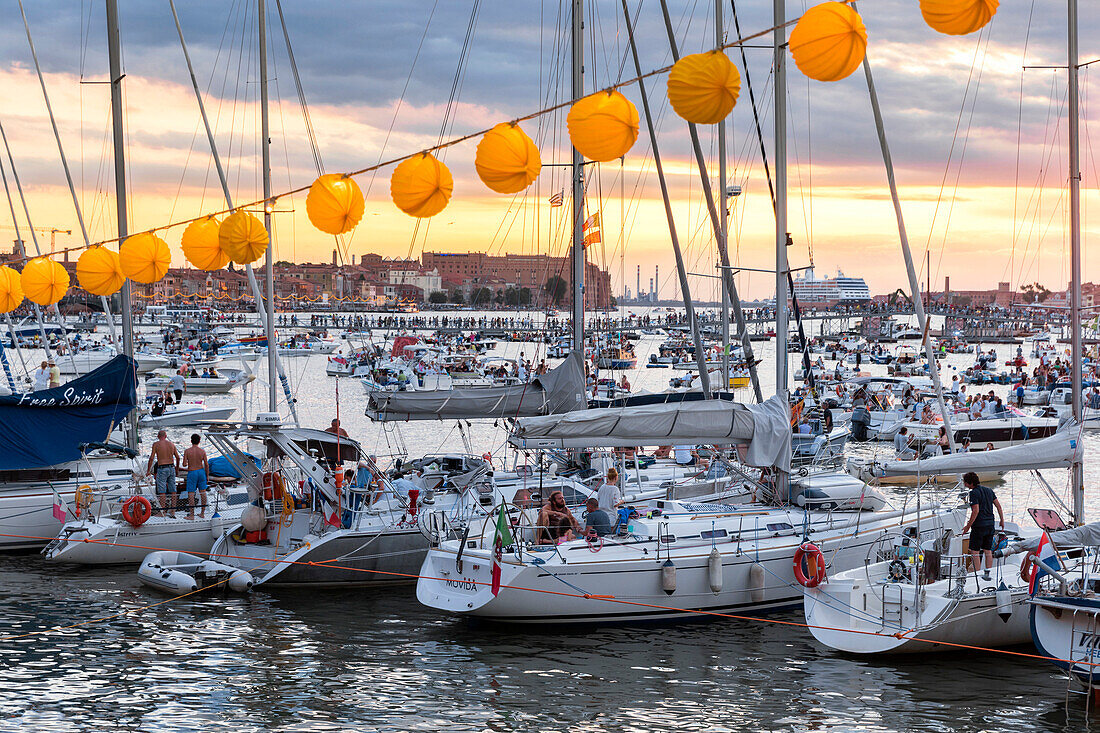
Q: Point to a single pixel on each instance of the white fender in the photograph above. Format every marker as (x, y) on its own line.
(217, 525)
(714, 570)
(668, 577)
(756, 583)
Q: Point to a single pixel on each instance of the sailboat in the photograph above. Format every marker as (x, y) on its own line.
(1065, 611)
(667, 558)
(925, 596)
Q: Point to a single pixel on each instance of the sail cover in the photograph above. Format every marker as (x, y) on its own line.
(559, 390)
(1087, 535)
(46, 428)
(764, 429)
(1057, 451)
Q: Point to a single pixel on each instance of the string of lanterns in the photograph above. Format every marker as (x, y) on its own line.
(827, 44)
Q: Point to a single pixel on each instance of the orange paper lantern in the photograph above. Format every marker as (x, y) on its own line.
(507, 159)
(421, 186)
(603, 126)
(335, 204)
(145, 258)
(44, 281)
(99, 271)
(703, 87)
(829, 42)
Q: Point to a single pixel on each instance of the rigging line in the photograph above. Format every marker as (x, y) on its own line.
(1019, 143)
(445, 144)
(543, 591)
(401, 97)
(68, 177)
(954, 140)
(962, 153)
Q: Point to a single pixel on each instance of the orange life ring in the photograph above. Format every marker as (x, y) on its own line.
(136, 510)
(809, 565)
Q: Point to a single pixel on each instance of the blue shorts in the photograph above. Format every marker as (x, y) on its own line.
(166, 479)
(196, 481)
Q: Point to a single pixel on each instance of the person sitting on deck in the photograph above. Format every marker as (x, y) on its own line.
(556, 522)
(596, 520)
(903, 445)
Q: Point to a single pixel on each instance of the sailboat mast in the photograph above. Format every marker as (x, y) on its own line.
(577, 262)
(269, 270)
(719, 39)
(779, 51)
(114, 55)
(1076, 471)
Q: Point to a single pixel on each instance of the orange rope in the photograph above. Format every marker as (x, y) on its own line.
(588, 596)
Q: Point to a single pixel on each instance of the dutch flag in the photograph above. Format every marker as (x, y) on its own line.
(1048, 553)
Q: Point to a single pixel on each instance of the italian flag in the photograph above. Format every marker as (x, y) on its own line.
(502, 537)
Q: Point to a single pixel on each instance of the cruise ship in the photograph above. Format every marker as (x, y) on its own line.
(842, 290)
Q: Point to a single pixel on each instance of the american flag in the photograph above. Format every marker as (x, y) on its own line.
(558, 199)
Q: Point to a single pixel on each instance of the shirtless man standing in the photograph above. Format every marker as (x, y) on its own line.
(198, 467)
(166, 459)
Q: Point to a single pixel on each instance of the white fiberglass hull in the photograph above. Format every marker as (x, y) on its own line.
(854, 615)
(192, 416)
(622, 580)
(27, 519)
(114, 541)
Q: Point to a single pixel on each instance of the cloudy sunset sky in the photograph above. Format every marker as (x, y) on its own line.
(979, 143)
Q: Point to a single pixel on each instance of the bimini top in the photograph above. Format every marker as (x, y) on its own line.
(48, 427)
(559, 390)
(765, 429)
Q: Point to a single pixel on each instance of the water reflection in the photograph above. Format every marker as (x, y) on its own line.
(299, 661)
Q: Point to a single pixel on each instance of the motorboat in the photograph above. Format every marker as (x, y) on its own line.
(1065, 606)
(192, 412)
(48, 473)
(82, 362)
(918, 591)
(104, 535)
(222, 381)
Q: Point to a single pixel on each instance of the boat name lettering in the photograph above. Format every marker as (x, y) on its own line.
(70, 397)
(463, 584)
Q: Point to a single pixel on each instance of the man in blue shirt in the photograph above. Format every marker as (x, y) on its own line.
(596, 519)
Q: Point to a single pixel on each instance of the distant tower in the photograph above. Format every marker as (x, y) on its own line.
(638, 287)
(656, 282)
(334, 258)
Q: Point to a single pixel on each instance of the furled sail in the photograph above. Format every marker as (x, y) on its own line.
(1057, 451)
(764, 429)
(559, 390)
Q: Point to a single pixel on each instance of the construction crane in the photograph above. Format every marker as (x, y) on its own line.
(52, 231)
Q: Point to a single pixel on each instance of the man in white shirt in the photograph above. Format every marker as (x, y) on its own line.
(609, 495)
(42, 377)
